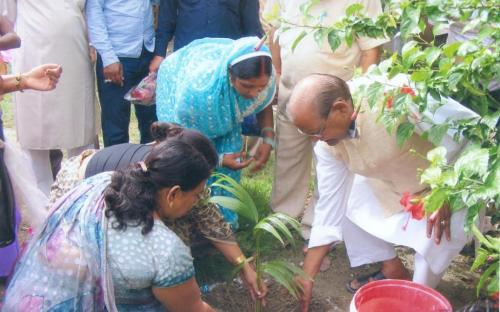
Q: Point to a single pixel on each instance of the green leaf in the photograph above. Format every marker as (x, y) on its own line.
(374, 93)
(449, 178)
(456, 203)
(263, 225)
(319, 36)
(420, 75)
(493, 285)
(298, 39)
(431, 55)
(436, 133)
(467, 47)
(353, 9)
(472, 215)
(273, 14)
(431, 176)
(435, 200)
(445, 64)
(485, 277)
(472, 89)
(409, 21)
(230, 185)
(289, 220)
(280, 226)
(333, 40)
(481, 256)
(349, 36)
(404, 132)
(491, 120)
(483, 240)
(285, 274)
(408, 48)
(233, 204)
(473, 161)
(437, 156)
(454, 79)
(449, 50)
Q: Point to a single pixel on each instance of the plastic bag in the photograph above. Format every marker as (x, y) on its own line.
(144, 93)
(29, 198)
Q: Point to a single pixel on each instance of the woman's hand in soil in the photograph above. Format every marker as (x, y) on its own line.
(236, 161)
(305, 298)
(249, 277)
(42, 78)
(261, 156)
(439, 223)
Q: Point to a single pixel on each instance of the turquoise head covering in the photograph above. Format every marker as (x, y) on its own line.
(194, 88)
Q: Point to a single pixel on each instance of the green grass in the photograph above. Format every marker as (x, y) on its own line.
(7, 111)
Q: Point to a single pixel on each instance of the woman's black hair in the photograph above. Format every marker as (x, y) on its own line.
(131, 196)
(161, 131)
(251, 68)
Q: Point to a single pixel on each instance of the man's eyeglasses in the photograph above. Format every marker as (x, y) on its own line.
(318, 135)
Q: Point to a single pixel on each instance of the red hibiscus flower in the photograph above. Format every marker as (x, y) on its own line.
(407, 90)
(414, 205)
(389, 101)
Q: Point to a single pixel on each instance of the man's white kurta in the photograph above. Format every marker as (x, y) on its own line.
(54, 31)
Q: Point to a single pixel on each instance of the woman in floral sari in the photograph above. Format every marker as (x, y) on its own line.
(104, 246)
(211, 85)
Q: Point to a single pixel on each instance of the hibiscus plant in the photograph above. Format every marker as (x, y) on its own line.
(462, 70)
(278, 225)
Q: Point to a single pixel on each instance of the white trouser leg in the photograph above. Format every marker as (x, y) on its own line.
(362, 247)
(334, 183)
(40, 162)
(423, 274)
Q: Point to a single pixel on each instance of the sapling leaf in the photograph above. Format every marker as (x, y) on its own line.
(263, 225)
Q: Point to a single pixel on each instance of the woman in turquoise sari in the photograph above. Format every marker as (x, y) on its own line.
(211, 85)
(104, 246)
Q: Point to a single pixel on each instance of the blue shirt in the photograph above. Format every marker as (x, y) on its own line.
(189, 20)
(120, 28)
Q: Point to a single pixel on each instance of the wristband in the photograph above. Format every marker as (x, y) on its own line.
(240, 260)
(19, 78)
(266, 129)
(267, 140)
(221, 160)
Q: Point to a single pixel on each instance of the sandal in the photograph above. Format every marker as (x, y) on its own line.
(363, 280)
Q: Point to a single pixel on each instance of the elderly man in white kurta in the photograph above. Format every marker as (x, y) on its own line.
(54, 31)
(294, 151)
(363, 173)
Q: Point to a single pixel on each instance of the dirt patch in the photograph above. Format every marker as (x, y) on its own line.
(329, 294)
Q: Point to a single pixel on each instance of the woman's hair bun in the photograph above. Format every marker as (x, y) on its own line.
(161, 131)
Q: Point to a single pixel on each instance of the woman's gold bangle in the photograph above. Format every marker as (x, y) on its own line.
(19, 79)
(240, 260)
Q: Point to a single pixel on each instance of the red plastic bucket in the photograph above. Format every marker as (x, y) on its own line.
(398, 296)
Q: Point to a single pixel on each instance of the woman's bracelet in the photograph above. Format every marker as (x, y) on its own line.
(270, 141)
(240, 260)
(266, 129)
(19, 79)
(220, 163)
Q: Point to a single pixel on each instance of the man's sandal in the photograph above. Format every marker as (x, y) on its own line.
(363, 280)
